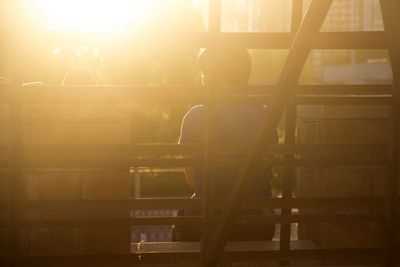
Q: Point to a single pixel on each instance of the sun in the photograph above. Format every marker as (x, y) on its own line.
(104, 15)
(95, 15)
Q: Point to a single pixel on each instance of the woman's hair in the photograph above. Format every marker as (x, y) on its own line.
(233, 65)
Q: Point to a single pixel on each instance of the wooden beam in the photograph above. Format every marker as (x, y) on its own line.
(287, 82)
(15, 177)
(125, 164)
(196, 220)
(344, 100)
(306, 100)
(288, 175)
(84, 158)
(81, 260)
(350, 40)
(93, 222)
(313, 96)
(390, 10)
(186, 203)
(114, 95)
(159, 253)
(259, 40)
(209, 140)
(148, 150)
(340, 89)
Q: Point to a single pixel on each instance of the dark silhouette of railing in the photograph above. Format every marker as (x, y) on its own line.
(18, 157)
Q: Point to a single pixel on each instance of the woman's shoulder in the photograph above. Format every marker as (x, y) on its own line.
(197, 108)
(195, 111)
(194, 114)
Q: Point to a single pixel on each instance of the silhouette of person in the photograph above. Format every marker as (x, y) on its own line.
(235, 123)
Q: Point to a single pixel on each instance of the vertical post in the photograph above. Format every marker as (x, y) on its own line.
(15, 178)
(390, 18)
(290, 139)
(136, 182)
(353, 28)
(288, 177)
(214, 27)
(17, 51)
(3, 33)
(135, 125)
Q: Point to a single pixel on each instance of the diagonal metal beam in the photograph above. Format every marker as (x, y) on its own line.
(390, 9)
(286, 86)
(290, 138)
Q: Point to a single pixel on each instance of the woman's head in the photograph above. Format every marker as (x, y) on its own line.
(232, 65)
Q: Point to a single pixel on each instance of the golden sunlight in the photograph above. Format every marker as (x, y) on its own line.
(95, 15)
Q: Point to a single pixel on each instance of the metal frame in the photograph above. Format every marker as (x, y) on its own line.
(209, 131)
(286, 84)
(287, 94)
(290, 139)
(389, 8)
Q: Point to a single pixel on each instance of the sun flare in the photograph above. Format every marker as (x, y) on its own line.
(95, 15)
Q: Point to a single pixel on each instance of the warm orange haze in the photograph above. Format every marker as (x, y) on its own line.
(105, 15)
(199, 133)
(98, 16)
(56, 36)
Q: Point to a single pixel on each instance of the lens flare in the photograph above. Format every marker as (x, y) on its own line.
(95, 15)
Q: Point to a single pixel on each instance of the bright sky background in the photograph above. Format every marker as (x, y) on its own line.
(94, 15)
(101, 15)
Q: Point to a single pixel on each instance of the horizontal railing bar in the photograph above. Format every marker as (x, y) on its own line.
(190, 148)
(323, 40)
(318, 100)
(300, 100)
(123, 164)
(259, 40)
(154, 220)
(325, 162)
(107, 164)
(128, 94)
(179, 220)
(279, 40)
(344, 100)
(85, 121)
(185, 203)
(348, 89)
(312, 218)
(248, 99)
(122, 259)
(107, 94)
(197, 91)
(160, 149)
(241, 246)
(252, 40)
(349, 255)
(170, 163)
(363, 255)
(350, 40)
